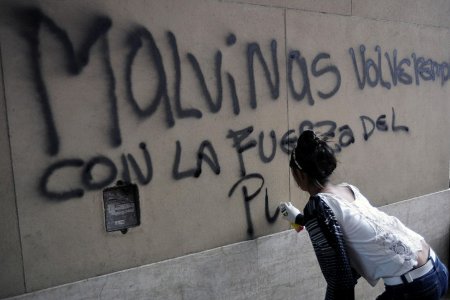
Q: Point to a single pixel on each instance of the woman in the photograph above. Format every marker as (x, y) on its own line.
(351, 238)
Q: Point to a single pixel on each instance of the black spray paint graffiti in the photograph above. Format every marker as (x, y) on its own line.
(295, 57)
(243, 141)
(211, 160)
(141, 39)
(367, 71)
(86, 174)
(343, 137)
(33, 20)
(248, 197)
(206, 153)
(371, 72)
(380, 124)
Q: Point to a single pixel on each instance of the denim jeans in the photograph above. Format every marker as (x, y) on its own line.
(431, 286)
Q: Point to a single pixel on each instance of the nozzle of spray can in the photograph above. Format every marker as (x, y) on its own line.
(297, 227)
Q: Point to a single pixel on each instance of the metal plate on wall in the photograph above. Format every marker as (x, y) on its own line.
(121, 206)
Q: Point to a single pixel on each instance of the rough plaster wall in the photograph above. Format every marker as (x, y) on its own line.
(427, 12)
(98, 133)
(340, 7)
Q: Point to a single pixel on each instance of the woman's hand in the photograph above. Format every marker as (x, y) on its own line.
(289, 211)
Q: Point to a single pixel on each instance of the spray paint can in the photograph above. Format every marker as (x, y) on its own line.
(297, 227)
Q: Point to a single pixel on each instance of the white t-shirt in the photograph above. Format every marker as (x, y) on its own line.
(378, 245)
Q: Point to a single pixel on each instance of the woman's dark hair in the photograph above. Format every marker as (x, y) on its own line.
(313, 156)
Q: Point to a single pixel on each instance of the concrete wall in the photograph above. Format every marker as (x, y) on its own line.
(194, 102)
(11, 281)
(277, 266)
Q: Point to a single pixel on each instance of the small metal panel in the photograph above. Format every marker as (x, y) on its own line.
(121, 206)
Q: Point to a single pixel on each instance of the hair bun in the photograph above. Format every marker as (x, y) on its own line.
(310, 139)
(315, 156)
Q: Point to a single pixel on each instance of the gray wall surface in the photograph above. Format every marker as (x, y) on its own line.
(196, 102)
(277, 266)
(11, 281)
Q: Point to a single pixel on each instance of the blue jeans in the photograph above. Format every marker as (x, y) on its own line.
(431, 286)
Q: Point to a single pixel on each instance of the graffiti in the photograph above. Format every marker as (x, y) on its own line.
(63, 195)
(304, 76)
(32, 22)
(242, 141)
(252, 49)
(262, 155)
(86, 174)
(98, 161)
(247, 197)
(142, 179)
(239, 136)
(380, 124)
(135, 43)
(76, 61)
(371, 72)
(295, 57)
(211, 160)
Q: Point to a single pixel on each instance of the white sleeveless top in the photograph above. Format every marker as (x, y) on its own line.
(378, 245)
